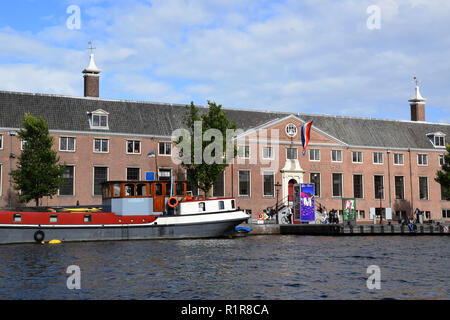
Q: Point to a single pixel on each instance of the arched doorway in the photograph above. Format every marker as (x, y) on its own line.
(291, 189)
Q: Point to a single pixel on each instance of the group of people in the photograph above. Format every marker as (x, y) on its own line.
(331, 217)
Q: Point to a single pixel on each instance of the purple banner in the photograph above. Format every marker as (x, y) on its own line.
(307, 202)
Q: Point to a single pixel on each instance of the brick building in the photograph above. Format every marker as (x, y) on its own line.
(381, 163)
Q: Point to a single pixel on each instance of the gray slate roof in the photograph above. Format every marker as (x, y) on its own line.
(160, 119)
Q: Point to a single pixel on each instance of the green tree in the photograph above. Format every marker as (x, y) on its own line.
(443, 175)
(38, 173)
(202, 174)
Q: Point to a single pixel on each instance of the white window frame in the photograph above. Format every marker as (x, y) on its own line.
(268, 173)
(249, 184)
(320, 183)
(428, 188)
(73, 184)
(360, 153)
(126, 173)
(441, 156)
(165, 149)
(375, 191)
(271, 152)
(93, 178)
(67, 143)
(244, 148)
(296, 153)
(342, 185)
(362, 184)
(402, 157)
(134, 141)
(164, 168)
(338, 152)
(424, 156)
(395, 191)
(382, 158)
(1, 141)
(101, 145)
(99, 113)
(314, 152)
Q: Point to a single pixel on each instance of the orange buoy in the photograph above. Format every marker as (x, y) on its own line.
(172, 202)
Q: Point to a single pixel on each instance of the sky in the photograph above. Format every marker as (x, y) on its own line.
(347, 57)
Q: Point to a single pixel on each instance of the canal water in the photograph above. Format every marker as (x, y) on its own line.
(254, 267)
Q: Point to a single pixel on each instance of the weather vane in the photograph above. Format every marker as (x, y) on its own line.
(416, 81)
(91, 47)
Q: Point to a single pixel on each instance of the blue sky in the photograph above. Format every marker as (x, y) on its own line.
(311, 56)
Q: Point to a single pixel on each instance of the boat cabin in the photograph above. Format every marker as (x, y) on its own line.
(140, 197)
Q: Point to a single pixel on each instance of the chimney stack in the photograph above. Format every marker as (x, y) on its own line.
(417, 104)
(91, 77)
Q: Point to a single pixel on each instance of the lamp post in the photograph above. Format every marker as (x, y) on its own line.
(277, 190)
(11, 159)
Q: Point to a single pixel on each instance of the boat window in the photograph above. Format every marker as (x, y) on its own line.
(167, 189)
(179, 189)
(116, 190)
(141, 190)
(201, 206)
(17, 218)
(158, 189)
(53, 219)
(221, 205)
(129, 190)
(88, 218)
(232, 204)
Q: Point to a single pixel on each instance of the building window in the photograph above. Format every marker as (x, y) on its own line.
(439, 141)
(399, 188)
(336, 155)
(67, 144)
(268, 184)
(362, 214)
(441, 160)
(219, 186)
(101, 145)
(379, 187)
(244, 152)
(133, 147)
(358, 191)
(357, 157)
(165, 148)
(133, 174)
(423, 188)
(337, 184)
(244, 183)
(100, 175)
(446, 213)
(422, 159)
(443, 197)
(398, 159)
(1, 183)
(267, 152)
(291, 153)
(314, 177)
(164, 174)
(67, 188)
(99, 119)
(378, 158)
(314, 154)
(1, 141)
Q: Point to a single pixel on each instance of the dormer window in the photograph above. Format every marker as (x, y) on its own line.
(437, 139)
(99, 119)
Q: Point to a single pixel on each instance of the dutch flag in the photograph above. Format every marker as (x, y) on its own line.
(306, 135)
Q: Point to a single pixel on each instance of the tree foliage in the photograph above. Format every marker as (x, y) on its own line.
(443, 175)
(38, 173)
(203, 174)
